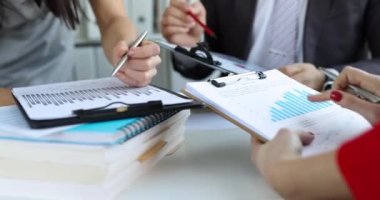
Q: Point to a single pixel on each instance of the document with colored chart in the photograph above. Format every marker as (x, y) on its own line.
(264, 105)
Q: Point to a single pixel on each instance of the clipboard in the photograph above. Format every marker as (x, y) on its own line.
(225, 116)
(115, 110)
(219, 84)
(202, 56)
(262, 107)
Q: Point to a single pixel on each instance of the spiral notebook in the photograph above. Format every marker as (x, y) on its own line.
(107, 133)
(94, 100)
(112, 132)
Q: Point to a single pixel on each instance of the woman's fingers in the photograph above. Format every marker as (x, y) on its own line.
(146, 50)
(286, 144)
(119, 50)
(367, 109)
(141, 66)
(324, 96)
(359, 78)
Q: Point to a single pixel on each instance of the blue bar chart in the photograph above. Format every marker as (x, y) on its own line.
(293, 104)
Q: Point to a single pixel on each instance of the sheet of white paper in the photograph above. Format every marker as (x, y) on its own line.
(267, 105)
(54, 101)
(13, 122)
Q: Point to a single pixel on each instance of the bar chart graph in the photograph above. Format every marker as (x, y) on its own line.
(295, 103)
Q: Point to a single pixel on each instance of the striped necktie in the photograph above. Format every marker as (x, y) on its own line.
(283, 32)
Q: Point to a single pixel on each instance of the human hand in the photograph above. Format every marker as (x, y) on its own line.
(179, 28)
(359, 78)
(286, 145)
(306, 74)
(142, 62)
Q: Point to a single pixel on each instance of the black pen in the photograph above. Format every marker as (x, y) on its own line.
(148, 106)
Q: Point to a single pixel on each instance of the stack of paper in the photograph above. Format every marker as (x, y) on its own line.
(90, 161)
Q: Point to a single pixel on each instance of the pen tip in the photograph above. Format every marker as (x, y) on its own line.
(211, 35)
(114, 74)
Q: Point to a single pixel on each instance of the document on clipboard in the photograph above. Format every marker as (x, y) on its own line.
(200, 55)
(93, 100)
(264, 102)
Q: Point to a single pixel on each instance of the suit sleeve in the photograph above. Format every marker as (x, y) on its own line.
(212, 16)
(359, 163)
(372, 32)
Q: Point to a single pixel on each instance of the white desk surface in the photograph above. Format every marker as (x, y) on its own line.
(214, 163)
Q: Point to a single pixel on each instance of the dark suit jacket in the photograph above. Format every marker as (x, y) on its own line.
(337, 33)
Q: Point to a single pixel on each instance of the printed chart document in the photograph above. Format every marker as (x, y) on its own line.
(263, 106)
(59, 100)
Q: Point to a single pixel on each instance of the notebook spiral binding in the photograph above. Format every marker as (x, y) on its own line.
(143, 124)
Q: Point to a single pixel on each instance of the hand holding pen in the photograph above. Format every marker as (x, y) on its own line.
(345, 91)
(135, 63)
(184, 24)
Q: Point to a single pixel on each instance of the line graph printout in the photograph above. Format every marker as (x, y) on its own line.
(54, 101)
(267, 105)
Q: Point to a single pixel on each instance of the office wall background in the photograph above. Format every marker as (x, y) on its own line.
(146, 14)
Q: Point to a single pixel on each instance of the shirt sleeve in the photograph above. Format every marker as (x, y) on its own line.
(359, 163)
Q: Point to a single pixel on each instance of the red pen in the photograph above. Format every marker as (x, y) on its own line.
(204, 26)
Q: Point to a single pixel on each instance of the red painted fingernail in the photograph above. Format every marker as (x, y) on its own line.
(336, 96)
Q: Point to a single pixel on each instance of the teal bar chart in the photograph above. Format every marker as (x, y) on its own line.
(293, 104)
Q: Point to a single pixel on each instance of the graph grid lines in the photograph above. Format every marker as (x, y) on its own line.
(293, 104)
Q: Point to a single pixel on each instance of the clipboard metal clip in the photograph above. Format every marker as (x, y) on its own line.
(243, 77)
(137, 107)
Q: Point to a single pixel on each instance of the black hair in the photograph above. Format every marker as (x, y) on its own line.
(67, 10)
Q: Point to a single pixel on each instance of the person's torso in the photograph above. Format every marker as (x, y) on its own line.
(35, 46)
(334, 31)
(262, 28)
